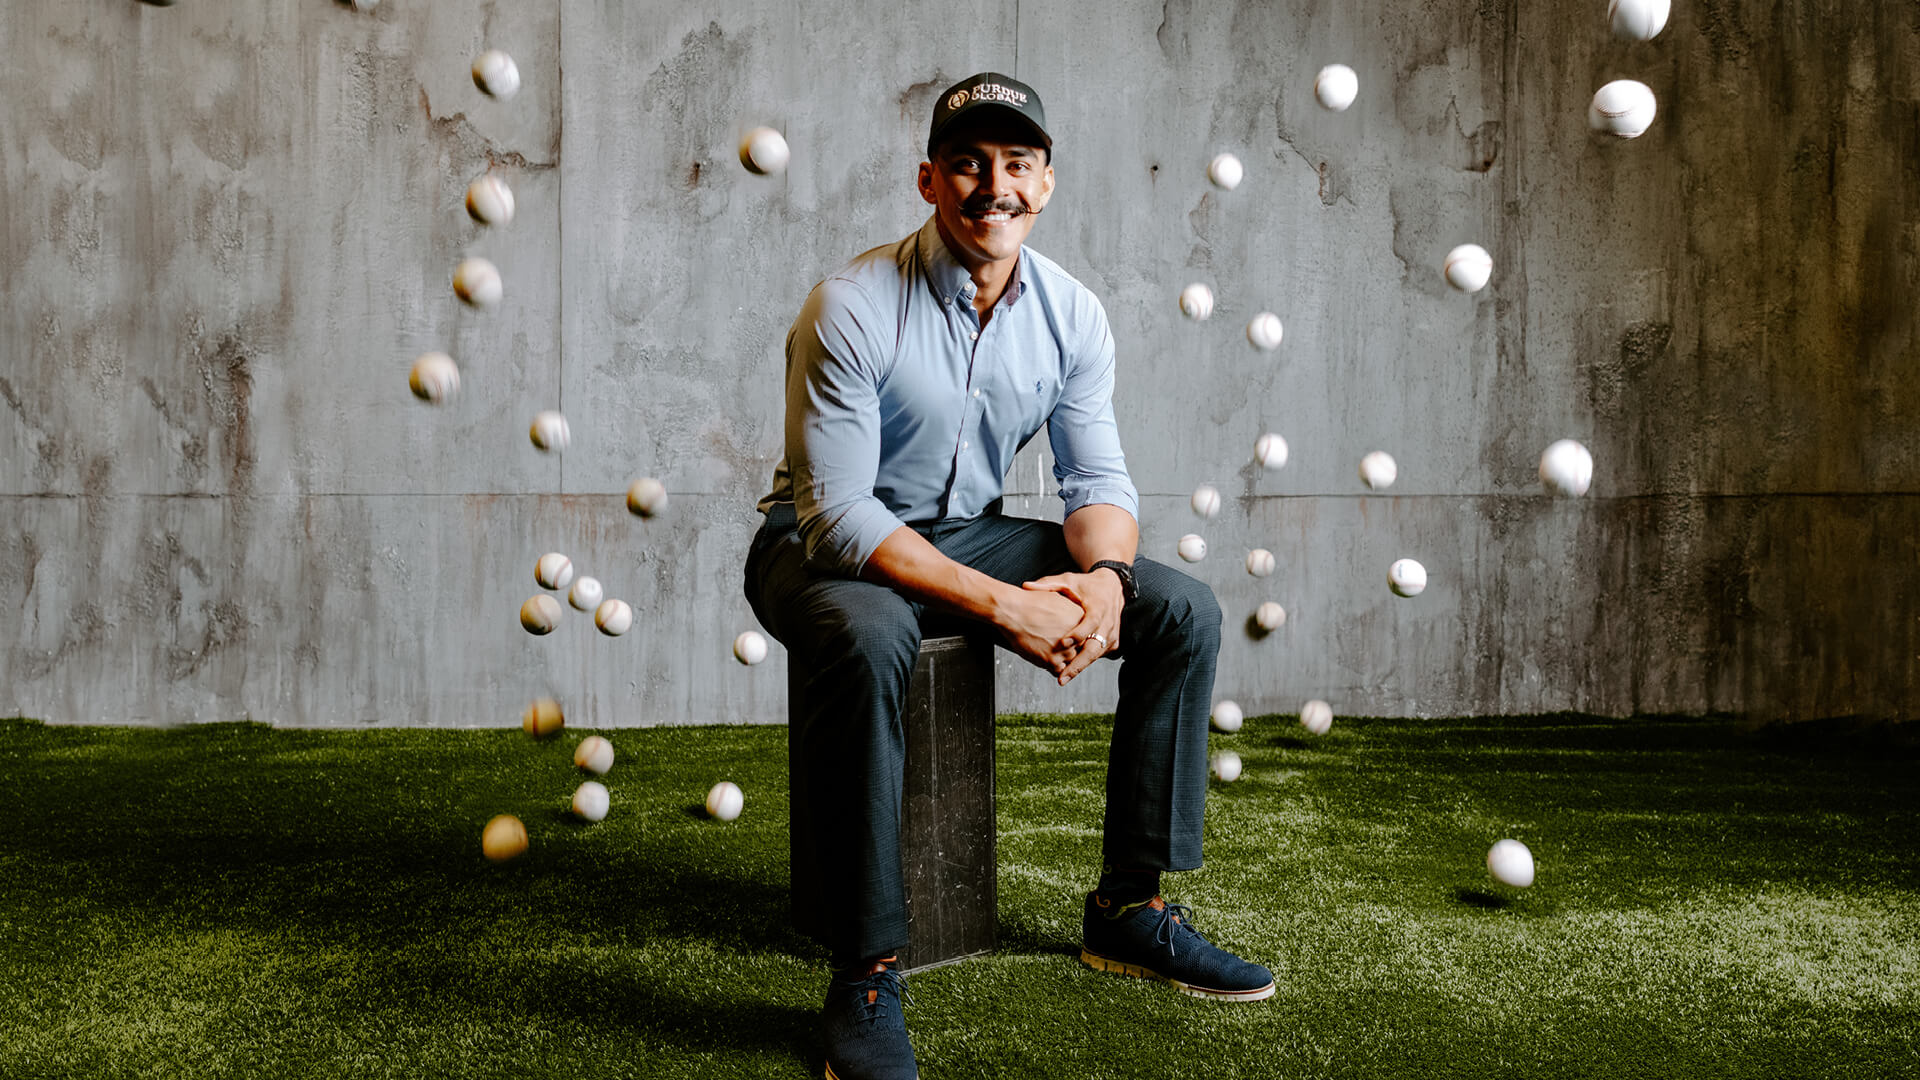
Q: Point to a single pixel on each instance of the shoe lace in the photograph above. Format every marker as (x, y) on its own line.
(873, 994)
(1173, 919)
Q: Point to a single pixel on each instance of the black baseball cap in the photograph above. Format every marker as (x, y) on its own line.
(989, 90)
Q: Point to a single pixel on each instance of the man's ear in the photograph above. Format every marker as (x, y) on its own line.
(1046, 189)
(926, 180)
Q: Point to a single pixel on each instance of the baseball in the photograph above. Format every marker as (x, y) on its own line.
(1639, 20)
(1260, 562)
(1227, 716)
(1406, 577)
(613, 617)
(1270, 616)
(1336, 87)
(553, 570)
(1225, 172)
(590, 800)
(646, 497)
(1566, 468)
(1270, 451)
(542, 718)
(1622, 107)
(495, 73)
(434, 377)
(763, 151)
(1378, 471)
(1193, 547)
(585, 594)
(540, 614)
(1317, 717)
(477, 281)
(750, 648)
(1205, 501)
(594, 755)
(503, 838)
(1468, 267)
(1511, 863)
(1196, 301)
(725, 801)
(549, 431)
(490, 200)
(1226, 766)
(1264, 331)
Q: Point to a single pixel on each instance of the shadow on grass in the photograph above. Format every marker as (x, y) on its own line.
(1520, 904)
(696, 1014)
(225, 826)
(1599, 793)
(1022, 936)
(418, 891)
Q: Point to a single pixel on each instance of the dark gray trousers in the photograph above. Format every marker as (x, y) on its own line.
(857, 642)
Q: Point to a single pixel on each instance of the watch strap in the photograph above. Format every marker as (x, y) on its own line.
(1121, 570)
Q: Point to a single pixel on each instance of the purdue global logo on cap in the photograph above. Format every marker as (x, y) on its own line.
(989, 90)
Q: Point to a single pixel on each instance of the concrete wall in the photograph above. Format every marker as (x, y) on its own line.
(229, 228)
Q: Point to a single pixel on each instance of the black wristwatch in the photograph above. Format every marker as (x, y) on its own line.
(1125, 574)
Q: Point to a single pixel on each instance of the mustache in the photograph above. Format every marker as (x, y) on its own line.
(991, 205)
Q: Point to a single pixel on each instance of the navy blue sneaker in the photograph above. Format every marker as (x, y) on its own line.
(1155, 940)
(866, 1028)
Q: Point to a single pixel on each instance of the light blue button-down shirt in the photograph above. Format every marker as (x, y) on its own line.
(901, 409)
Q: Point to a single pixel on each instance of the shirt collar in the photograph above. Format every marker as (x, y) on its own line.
(949, 280)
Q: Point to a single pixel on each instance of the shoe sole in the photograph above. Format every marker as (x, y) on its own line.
(831, 1075)
(1121, 967)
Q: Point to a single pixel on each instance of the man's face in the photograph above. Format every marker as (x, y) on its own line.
(985, 182)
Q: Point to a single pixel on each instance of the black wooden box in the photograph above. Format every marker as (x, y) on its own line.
(948, 813)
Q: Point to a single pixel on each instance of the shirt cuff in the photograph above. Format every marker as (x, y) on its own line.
(844, 539)
(1109, 492)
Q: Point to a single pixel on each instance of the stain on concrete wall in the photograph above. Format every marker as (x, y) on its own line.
(230, 228)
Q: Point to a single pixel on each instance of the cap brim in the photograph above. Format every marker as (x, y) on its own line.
(980, 110)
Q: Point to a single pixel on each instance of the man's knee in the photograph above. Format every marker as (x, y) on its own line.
(853, 664)
(1183, 605)
(879, 637)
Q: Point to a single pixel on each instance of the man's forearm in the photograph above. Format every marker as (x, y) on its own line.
(906, 563)
(1101, 531)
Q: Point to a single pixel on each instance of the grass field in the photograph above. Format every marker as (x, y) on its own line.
(235, 901)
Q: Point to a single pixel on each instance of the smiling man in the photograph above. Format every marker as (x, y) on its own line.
(914, 375)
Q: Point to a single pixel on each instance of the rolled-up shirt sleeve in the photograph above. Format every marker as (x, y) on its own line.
(835, 361)
(1087, 460)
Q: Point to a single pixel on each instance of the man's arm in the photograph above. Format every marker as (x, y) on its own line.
(834, 365)
(1101, 520)
(1095, 532)
(1098, 532)
(1035, 624)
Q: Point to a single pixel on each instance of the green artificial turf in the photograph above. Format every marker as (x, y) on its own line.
(236, 901)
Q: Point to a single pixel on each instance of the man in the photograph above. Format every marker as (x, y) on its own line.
(913, 377)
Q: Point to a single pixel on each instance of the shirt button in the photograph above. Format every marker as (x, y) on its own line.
(976, 393)
(975, 335)
(963, 445)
